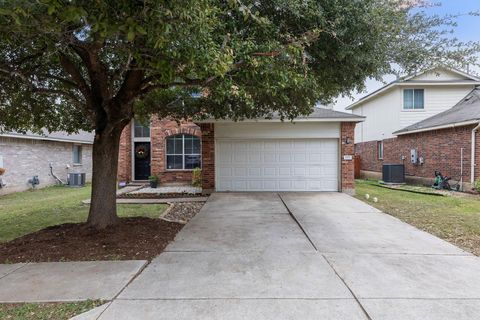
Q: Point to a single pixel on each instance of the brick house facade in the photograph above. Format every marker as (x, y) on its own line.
(161, 129)
(26, 156)
(440, 149)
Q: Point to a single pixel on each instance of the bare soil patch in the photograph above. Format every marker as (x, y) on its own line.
(137, 238)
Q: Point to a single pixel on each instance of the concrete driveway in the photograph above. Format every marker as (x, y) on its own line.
(302, 256)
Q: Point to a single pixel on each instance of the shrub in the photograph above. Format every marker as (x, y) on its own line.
(153, 178)
(477, 185)
(197, 177)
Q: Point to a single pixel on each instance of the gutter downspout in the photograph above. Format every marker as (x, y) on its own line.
(472, 156)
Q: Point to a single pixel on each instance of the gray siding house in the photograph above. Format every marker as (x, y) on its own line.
(25, 156)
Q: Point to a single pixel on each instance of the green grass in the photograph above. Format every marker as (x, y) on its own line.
(453, 218)
(45, 311)
(25, 212)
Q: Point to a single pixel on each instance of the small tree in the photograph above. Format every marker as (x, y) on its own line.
(93, 65)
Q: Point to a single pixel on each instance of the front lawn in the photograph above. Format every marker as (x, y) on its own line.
(45, 311)
(26, 212)
(453, 218)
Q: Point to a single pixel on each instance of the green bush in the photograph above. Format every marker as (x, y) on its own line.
(153, 178)
(477, 185)
(197, 177)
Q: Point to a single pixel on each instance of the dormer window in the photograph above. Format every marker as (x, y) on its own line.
(413, 99)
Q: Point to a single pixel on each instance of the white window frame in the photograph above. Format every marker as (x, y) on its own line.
(79, 149)
(183, 152)
(380, 150)
(141, 139)
(413, 102)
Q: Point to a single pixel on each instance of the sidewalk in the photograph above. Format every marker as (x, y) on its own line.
(66, 281)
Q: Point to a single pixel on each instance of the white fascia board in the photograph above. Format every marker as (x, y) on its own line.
(44, 138)
(445, 126)
(285, 121)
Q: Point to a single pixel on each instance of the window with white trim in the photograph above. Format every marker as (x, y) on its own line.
(183, 152)
(413, 99)
(77, 154)
(141, 130)
(380, 150)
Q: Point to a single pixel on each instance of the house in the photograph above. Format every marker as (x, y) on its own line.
(448, 141)
(312, 153)
(406, 103)
(25, 156)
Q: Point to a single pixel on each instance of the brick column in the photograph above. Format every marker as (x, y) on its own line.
(347, 169)
(157, 147)
(208, 157)
(125, 155)
(477, 155)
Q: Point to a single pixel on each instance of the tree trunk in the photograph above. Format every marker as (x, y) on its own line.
(103, 207)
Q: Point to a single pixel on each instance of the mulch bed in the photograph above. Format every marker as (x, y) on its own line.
(158, 195)
(131, 239)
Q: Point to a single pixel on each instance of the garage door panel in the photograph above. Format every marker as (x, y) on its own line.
(277, 165)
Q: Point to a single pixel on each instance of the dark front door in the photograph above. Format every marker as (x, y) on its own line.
(142, 160)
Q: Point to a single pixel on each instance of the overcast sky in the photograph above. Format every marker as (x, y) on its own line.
(468, 30)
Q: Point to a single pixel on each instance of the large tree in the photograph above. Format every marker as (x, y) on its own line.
(94, 65)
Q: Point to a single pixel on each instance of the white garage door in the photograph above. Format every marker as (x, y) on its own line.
(277, 165)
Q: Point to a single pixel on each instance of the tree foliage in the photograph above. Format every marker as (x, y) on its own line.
(63, 62)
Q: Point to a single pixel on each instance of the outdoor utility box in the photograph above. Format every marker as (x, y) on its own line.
(393, 173)
(413, 156)
(76, 179)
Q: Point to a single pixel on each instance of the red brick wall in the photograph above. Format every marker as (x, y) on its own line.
(208, 156)
(439, 148)
(159, 130)
(369, 156)
(347, 168)
(125, 155)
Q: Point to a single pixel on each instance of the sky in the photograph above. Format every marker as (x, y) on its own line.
(468, 30)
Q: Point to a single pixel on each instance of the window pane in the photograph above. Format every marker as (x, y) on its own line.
(188, 145)
(77, 154)
(418, 99)
(141, 131)
(170, 146)
(192, 161)
(178, 145)
(174, 162)
(408, 99)
(196, 145)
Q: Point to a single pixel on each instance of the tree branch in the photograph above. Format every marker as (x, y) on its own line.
(69, 66)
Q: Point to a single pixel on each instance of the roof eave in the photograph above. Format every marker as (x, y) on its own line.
(27, 137)
(445, 126)
(353, 119)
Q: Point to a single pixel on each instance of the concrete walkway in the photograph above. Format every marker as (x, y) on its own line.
(302, 256)
(65, 281)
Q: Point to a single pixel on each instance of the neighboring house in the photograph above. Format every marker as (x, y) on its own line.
(406, 103)
(25, 156)
(313, 153)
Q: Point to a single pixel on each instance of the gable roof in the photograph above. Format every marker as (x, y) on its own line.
(466, 112)
(466, 78)
(318, 115)
(82, 137)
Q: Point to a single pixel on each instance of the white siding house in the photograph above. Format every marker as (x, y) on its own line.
(409, 100)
